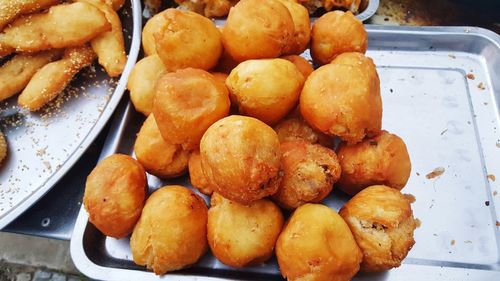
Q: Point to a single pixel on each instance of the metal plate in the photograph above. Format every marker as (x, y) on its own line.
(44, 145)
(446, 119)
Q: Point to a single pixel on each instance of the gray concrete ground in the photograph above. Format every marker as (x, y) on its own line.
(29, 258)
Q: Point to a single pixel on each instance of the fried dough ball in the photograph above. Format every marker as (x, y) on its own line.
(196, 174)
(240, 235)
(114, 195)
(316, 244)
(295, 128)
(301, 63)
(220, 76)
(302, 27)
(335, 33)
(309, 172)
(266, 89)
(343, 98)
(241, 158)
(141, 82)
(3, 147)
(186, 103)
(382, 223)
(382, 159)
(257, 29)
(187, 39)
(157, 156)
(152, 26)
(172, 231)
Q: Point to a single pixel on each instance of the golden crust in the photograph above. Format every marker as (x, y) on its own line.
(382, 159)
(157, 156)
(186, 103)
(301, 63)
(3, 147)
(335, 33)
(11, 9)
(343, 98)
(295, 128)
(172, 231)
(257, 29)
(382, 222)
(114, 195)
(247, 166)
(186, 39)
(302, 27)
(309, 172)
(266, 89)
(196, 174)
(241, 235)
(152, 26)
(316, 244)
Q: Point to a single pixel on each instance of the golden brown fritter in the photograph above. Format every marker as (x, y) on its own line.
(196, 175)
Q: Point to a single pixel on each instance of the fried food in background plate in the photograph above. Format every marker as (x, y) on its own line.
(382, 223)
(295, 128)
(157, 156)
(109, 46)
(240, 235)
(335, 33)
(301, 63)
(3, 147)
(50, 80)
(142, 81)
(309, 172)
(186, 39)
(266, 89)
(11, 9)
(152, 26)
(241, 158)
(257, 29)
(16, 73)
(302, 27)
(114, 195)
(62, 26)
(115, 4)
(172, 231)
(196, 175)
(381, 159)
(186, 103)
(208, 8)
(343, 98)
(316, 244)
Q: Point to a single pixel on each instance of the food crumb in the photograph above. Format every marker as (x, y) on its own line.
(481, 86)
(418, 174)
(470, 76)
(495, 193)
(467, 241)
(410, 198)
(390, 90)
(435, 173)
(452, 56)
(491, 177)
(487, 203)
(498, 223)
(442, 133)
(452, 242)
(418, 223)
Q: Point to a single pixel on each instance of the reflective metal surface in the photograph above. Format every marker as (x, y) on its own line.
(440, 89)
(44, 145)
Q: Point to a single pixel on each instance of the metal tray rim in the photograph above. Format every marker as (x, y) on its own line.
(98, 126)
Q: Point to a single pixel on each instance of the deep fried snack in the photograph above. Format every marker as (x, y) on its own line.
(157, 156)
(186, 103)
(63, 26)
(382, 159)
(142, 81)
(114, 195)
(16, 73)
(152, 26)
(316, 244)
(343, 98)
(5, 50)
(257, 29)
(309, 172)
(187, 39)
(295, 128)
(109, 46)
(172, 231)
(11, 9)
(115, 4)
(240, 235)
(382, 223)
(52, 78)
(302, 27)
(266, 89)
(3, 147)
(220, 76)
(301, 63)
(241, 158)
(196, 175)
(208, 8)
(335, 33)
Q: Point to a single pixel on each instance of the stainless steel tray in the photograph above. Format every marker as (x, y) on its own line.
(446, 119)
(43, 146)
